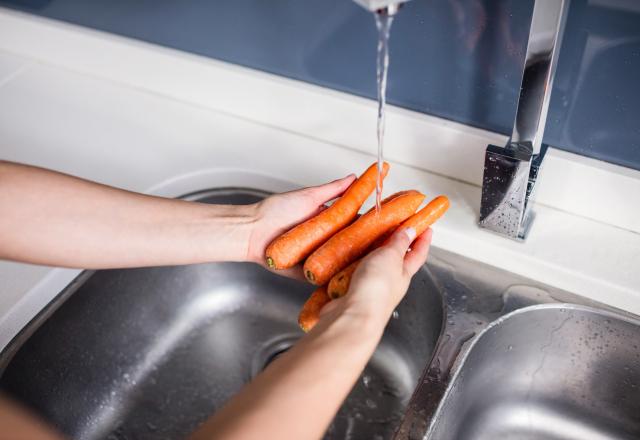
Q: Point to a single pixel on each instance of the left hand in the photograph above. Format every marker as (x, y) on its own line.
(382, 279)
(277, 214)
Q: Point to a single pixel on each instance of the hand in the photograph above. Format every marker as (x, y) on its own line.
(382, 278)
(277, 214)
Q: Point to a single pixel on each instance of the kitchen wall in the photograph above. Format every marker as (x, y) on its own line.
(458, 59)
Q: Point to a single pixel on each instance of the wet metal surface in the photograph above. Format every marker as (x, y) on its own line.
(547, 372)
(150, 353)
(513, 349)
(472, 352)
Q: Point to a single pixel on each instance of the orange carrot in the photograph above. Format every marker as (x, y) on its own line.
(350, 243)
(388, 199)
(340, 282)
(310, 312)
(420, 221)
(296, 244)
(428, 215)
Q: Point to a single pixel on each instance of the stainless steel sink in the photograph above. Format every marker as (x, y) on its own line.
(473, 352)
(151, 353)
(547, 372)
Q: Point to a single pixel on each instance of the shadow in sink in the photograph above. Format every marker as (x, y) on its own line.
(151, 353)
(547, 372)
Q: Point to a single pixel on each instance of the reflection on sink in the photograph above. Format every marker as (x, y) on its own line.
(547, 372)
(151, 353)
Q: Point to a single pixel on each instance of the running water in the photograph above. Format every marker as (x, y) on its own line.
(383, 23)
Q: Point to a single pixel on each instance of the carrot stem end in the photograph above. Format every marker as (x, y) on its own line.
(271, 263)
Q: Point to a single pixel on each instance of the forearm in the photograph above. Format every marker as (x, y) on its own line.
(18, 424)
(298, 395)
(55, 219)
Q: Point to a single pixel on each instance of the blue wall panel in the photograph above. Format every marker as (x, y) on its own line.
(458, 59)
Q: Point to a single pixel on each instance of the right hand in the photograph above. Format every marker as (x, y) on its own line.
(383, 277)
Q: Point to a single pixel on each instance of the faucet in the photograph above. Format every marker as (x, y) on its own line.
(510, 171)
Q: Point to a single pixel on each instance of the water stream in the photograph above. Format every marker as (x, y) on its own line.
(383, 23)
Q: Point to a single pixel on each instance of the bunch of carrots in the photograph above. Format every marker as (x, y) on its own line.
(334, 241)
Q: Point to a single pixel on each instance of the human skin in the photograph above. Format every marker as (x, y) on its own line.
(55, 219)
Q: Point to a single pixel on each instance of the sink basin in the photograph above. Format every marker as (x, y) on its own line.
(472, 352)
(151, 353)
(547, 372)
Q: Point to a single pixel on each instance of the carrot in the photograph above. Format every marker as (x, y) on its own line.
(350, 243)
(428, 215)
(420, 221)
(388, 199)
(339, 283)
(348, 271)
(310, 312)
(296, 244)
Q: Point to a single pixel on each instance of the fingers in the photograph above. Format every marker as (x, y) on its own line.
(419, 252)
(401, 240)
(331, 190)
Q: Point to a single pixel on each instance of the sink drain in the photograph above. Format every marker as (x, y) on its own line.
(275, 356)
(270, 350)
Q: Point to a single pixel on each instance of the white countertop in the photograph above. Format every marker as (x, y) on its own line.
(118, 134)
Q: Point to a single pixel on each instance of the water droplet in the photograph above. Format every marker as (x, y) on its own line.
(371, 404)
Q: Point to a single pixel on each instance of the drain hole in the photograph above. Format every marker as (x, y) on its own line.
(270, 351)
(275, 356)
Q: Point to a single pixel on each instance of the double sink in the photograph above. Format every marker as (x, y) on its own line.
(472, 352)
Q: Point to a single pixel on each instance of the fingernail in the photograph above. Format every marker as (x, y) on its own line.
(411, 233)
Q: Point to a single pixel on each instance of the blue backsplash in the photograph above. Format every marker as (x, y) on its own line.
(458, 59)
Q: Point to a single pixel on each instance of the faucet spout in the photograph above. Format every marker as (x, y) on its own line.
(510, 172)
(388, 7)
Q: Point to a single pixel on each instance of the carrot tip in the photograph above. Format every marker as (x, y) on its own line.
(310, 276)
(271, 263)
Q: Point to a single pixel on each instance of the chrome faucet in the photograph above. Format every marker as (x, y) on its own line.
(510, 172)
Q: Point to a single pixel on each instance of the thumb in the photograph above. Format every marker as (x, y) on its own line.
(331, 190)
(401, 240)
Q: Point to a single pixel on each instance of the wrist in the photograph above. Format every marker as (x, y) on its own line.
(228, 232)
(374, 313)
(254, 252)
(363, 320)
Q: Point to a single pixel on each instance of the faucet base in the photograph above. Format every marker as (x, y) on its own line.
(509, 177)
